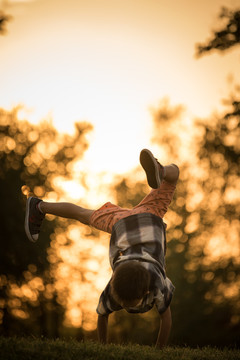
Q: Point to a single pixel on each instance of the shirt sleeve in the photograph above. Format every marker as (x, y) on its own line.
(106, 304)
(163, 298)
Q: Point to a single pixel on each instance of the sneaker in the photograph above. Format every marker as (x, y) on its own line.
(154, 170)
(33, 219)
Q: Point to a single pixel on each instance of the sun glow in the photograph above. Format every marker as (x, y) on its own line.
(77, 275)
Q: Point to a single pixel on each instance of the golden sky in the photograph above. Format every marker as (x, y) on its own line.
(107, 62)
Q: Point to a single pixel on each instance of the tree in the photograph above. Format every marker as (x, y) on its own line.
(220, 152)
(211, 221)
(3, 20)
(31, 156)
(225, 38)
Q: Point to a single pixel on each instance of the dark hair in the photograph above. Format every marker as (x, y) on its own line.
(130, 281)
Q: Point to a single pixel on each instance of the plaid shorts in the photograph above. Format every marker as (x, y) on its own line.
(156, 203)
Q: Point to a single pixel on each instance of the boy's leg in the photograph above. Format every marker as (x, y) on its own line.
(36, 210)
(67, 210)
(162, 179)
(171, 173)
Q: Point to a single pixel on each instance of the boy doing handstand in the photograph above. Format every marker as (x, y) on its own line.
(137, 246)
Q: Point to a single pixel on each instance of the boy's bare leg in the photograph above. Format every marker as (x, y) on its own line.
(171, 173)
(67, 210)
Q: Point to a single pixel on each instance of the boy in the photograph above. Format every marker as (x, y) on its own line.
(137, 246)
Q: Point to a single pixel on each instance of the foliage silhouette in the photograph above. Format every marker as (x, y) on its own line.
(31, 156)
(3, 21)
(220, 150)
(225, 38)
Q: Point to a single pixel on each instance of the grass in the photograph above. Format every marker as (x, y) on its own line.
(44, 349)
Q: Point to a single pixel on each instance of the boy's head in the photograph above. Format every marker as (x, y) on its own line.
(129, 284)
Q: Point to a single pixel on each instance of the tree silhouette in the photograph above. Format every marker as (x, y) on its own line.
(225, 38)
(31, 156)
(3, 21)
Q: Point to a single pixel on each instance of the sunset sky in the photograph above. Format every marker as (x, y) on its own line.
(107, 62)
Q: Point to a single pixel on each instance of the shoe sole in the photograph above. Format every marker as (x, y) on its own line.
(151, 168)
(27, 222)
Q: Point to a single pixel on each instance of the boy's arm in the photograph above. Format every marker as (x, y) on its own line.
(102, 327)
(164, 329)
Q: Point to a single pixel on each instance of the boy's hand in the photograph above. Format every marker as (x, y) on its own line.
(102, 327)
(164, 329)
